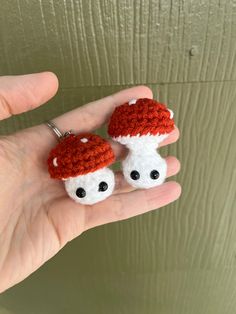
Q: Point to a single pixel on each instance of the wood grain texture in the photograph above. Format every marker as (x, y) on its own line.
(108, 42)
(179, 259)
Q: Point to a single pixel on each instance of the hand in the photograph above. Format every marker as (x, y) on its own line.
(37, 218)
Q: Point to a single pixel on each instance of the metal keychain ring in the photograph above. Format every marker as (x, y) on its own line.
(55, 129)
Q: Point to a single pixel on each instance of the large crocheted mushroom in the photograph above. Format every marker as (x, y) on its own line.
(141, 125)
(81, 161)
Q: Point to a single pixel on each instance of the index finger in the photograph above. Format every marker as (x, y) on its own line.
(91, 116)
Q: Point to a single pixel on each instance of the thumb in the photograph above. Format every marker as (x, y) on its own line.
(25, 92)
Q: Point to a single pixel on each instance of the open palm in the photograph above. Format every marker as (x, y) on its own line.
(37, 218)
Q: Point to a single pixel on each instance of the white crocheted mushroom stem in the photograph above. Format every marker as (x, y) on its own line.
(90, 183)
(144, 163)
(142, 142)
(143, 158)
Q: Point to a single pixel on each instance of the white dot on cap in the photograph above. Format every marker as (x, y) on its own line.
(132, 101)
(55, 164)
(171, 113)
(84, 140)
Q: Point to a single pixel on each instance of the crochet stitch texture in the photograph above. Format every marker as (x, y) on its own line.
(143, 117)
(78, 155)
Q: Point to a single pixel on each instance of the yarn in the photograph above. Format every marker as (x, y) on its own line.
(91, 183)
(143, 164)
(143, 117)
(141, 125)
(78, 155)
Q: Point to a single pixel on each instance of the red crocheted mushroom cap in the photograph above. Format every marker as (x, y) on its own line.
(143, 117)
(79, 154)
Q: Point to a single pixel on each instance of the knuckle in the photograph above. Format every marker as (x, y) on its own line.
(7, 149)
(3, 147)
(118, 208)
(5, 107)
(118, 182)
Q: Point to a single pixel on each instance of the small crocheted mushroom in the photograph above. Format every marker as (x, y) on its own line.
(81, 161)
(141, 125)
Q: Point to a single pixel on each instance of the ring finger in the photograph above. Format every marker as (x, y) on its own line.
(121, 185)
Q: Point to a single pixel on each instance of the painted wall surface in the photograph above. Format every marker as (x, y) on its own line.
(180, 259)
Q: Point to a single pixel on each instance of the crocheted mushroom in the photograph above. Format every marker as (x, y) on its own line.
(141, 125)
(81, 161)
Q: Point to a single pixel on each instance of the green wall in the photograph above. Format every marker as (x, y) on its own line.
(180, 259)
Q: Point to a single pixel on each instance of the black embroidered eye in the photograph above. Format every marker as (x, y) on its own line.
(80, 192)
(103, 186)
(134, 175)
(154, 174)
